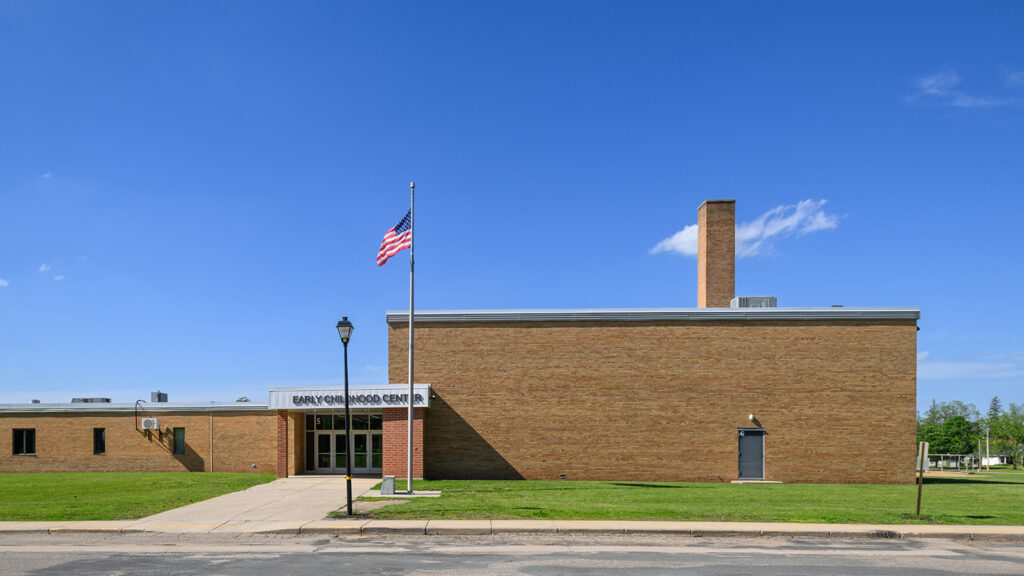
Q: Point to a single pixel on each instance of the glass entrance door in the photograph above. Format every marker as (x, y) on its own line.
(376, 452)
(324, 462)
(359, 452)
(339, 453)
(330, 448)
(367, 452)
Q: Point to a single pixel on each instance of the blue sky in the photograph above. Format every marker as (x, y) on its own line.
(191, 195)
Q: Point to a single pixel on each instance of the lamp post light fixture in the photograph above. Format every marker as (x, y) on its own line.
(345, 329)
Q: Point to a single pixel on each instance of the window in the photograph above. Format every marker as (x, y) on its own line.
(25, 441)
(179, 440)
(99, 440)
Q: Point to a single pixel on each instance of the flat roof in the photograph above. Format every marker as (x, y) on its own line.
(144, 408)
(353, 389)
(656, 314)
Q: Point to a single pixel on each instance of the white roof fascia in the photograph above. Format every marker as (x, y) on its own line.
(658, 314)
(144, 408)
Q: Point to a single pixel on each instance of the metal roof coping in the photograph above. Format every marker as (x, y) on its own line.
(657, 314)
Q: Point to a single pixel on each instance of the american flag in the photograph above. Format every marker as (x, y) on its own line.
(396, 239)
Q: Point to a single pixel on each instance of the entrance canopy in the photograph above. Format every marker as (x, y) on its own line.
(333, 397)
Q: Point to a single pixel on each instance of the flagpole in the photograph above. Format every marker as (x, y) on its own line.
(412, 245)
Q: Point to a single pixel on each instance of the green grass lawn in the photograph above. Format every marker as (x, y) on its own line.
(111, 495)
(984, 498)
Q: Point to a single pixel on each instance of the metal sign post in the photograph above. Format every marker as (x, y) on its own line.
(922, 460)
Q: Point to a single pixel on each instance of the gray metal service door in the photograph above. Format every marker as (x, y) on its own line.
(751, 454)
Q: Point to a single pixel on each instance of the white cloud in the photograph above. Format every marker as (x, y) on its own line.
(938, 84)
(1009, 365)
(683, 242)
(44, 267)
(968, 370)
(58, 277)
(1015, 78)
(757, 236)
(48, 175)
(4, 283)
(962, 100)
(804, 217)
(940, 89)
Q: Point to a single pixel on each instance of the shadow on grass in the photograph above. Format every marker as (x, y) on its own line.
(639, 485)
(482, 487)
(976, 481)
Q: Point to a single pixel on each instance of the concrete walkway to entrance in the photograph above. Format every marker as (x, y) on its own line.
(284, 502)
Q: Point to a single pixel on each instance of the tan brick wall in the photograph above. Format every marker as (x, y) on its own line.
(650, 401)
(716, 253)
(64, 443)
(282, 444)
(297, 441)
(396, 450)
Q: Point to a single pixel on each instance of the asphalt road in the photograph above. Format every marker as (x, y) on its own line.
(498, 555)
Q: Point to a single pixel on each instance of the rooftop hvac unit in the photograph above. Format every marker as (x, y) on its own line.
(150, 424)
(753, 302)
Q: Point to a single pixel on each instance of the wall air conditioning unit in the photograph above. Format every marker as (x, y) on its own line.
(753, 302)
(150, 424)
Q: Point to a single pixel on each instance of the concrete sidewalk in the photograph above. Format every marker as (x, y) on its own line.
(281, 506)
(271, 525)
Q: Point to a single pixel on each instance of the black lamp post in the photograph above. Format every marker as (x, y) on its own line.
(345, 329)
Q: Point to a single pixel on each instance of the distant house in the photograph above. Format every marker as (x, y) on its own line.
(995, 460)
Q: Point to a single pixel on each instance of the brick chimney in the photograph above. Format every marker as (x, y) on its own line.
(716, 253)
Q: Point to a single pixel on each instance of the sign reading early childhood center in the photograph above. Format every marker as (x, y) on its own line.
(393, 396)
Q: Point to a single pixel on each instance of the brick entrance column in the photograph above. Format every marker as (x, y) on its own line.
(396, 455)
(282, 443)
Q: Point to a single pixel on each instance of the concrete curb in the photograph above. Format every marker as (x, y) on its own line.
(346, 527)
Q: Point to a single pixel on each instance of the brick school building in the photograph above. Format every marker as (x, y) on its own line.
(735, 389)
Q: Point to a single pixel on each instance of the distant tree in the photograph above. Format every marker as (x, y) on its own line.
(939, 412)
(995, 408)
(1008, 431)
(954, 436)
